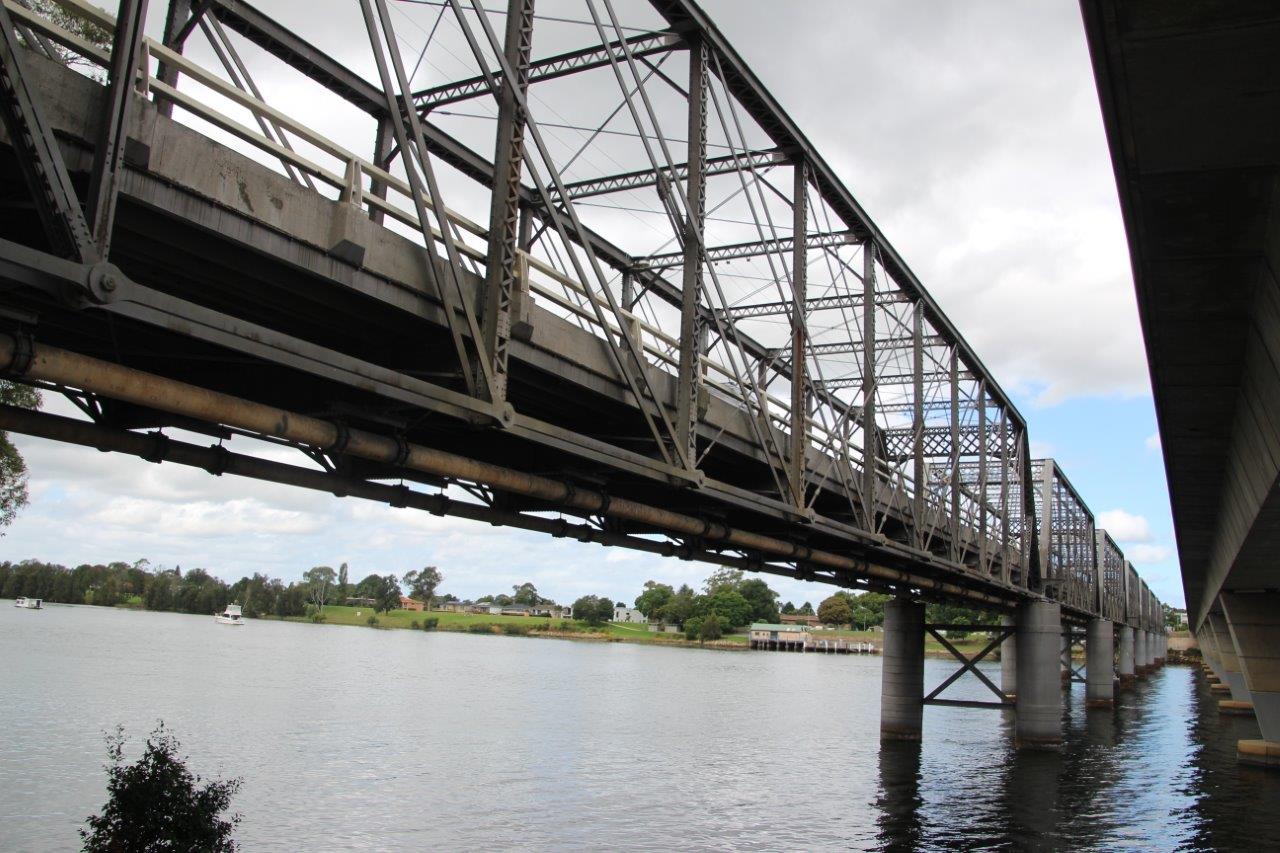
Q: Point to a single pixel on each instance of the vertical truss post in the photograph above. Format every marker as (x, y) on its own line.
(1005, 572)
(955, 453)
(982, 474)
(1046, 524)
(799, 362)
(694, 254)
(1033, 572)
(917, 419)
(383, 139)
(494, 301)
(126, 50)
(628, 291)
(869, 381)
(39, 156)
(175, 24)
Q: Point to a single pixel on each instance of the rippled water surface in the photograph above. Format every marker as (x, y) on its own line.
(350, 738)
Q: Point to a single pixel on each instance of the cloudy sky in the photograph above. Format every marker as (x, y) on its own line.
(970, 132)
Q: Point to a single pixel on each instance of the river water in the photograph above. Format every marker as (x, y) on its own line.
(351, 738)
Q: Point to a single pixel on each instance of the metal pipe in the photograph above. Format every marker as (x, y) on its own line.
(62, 367)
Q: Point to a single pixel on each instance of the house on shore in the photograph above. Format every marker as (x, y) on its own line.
(629, 614)
(407, 603)
(360, 601)
(779, 638)
(799, 619)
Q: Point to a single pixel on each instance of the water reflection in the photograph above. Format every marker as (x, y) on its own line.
(899, 799)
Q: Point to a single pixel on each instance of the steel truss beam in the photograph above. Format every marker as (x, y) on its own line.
(39, 157)
(936, 442)
(549, 68)
(846, 347)
(812, 304)
(749, 250)
(650, 177)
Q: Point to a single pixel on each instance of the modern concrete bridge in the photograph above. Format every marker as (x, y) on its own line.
(598, 285)
(1191, 101)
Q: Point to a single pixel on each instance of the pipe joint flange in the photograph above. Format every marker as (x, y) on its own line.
(342, 437)
(221, 456)
(440, 505)
(402, 452)
(106, 282)
(24, 353)
(159, 450)
(399, 497)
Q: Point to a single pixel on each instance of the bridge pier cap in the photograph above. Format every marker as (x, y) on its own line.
(1038, 721)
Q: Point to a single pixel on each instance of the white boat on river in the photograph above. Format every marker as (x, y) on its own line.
(29, 603)
(230, 616)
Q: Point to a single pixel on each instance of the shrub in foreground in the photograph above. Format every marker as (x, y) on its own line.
(430, 623)
(156, 803)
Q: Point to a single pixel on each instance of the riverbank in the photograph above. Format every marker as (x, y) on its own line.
(567, 629)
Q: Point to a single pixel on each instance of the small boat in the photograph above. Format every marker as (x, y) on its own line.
(29, 603)
(230, 616)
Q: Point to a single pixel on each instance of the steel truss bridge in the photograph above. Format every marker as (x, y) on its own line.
(588, 279)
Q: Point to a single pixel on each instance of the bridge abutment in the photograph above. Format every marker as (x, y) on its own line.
(1253, 620)
(1099, 661)
(1038, 721)
(1125, 663)
(902, 674)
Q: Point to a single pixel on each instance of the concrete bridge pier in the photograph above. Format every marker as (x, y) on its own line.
(1125, 667)
(1038, 721)
(1009, 659)
(1162, 647)
(1232, 673)
(902, 672)
(1209, 651)
(1254, 622)
(1064, 657)
(1139, 653)
(1099, 676)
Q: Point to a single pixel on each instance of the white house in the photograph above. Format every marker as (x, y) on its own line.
(629, 614)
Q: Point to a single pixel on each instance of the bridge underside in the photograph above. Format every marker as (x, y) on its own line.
(1191, 100)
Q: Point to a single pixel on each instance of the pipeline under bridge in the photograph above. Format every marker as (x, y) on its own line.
(493, 336)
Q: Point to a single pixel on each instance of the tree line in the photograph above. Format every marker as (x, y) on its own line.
(139, 584)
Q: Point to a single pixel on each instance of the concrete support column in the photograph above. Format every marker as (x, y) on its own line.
(1139, 652)
(1162, 640)
(902, 672)
(1209, 650)
(1254, 622)
(1009, 660)
(1064, 657)
(1099, 677)
(1126, 656)
(1230, 661)
(1038, 720)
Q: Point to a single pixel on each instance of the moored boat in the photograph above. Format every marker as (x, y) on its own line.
(230, 616)
(29, 603)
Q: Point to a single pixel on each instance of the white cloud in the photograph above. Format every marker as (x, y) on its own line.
(1124, 526)
(1149, 553)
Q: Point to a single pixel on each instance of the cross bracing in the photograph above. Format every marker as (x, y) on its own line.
(751, 348)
